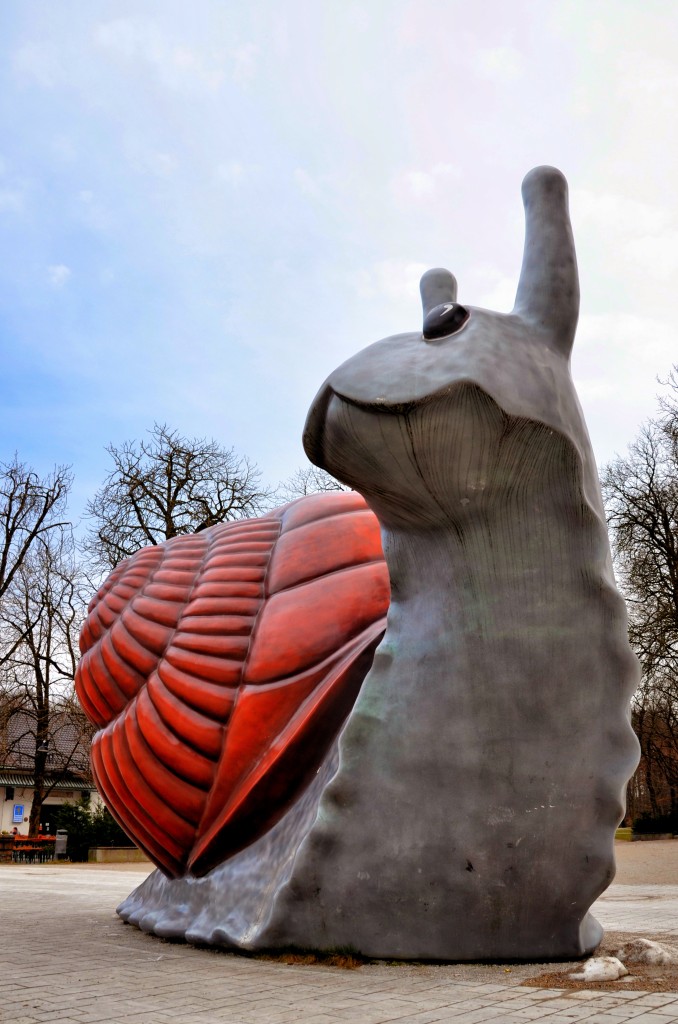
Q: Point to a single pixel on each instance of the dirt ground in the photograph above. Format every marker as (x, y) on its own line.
(641, 977)
(650, 862)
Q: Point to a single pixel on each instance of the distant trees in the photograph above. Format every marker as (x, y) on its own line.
(641, 497)
(40, 620)
(165, 486)
(30, 507)
(41, 607)
(307, 480)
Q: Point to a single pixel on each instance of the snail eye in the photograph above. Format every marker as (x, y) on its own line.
(444, 319)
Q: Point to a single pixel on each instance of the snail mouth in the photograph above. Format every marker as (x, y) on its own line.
(444, 320)
(445, 461)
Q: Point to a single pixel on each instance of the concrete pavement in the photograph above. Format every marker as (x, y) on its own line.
(66, 958)
(639, 908)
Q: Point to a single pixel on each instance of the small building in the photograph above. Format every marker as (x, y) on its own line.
(67, 770)
(16, 797)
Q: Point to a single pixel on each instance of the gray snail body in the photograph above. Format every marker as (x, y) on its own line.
(481, 773)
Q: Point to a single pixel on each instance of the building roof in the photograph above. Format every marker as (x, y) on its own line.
(68, 741)
(12, 777)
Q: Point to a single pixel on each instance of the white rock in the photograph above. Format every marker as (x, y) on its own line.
(643, 951)
(601, 968)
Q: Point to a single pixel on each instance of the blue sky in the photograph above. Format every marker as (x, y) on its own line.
(206, 207)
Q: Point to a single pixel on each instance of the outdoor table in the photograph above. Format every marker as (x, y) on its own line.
(28, 849)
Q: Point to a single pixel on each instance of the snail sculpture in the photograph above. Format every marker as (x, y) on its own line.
(466, 807)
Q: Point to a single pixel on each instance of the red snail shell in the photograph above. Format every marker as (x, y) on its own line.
(220, 667)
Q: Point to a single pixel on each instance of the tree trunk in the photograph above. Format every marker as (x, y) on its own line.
(39, 787)
(649, 782)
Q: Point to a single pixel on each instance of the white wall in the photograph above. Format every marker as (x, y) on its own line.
(24, 795)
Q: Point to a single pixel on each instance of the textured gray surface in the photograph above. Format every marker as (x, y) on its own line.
(482, 769)
(232, 903)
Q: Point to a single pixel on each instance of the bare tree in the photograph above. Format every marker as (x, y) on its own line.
(11, 706)
(165, 486)
(641, 492)
(641, 497)
(30, 507)
(39, 624)
(308, 480)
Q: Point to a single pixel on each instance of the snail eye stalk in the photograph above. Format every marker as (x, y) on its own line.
(445, 319)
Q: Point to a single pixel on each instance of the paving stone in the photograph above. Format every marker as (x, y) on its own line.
(658, 999)
(657, 1018)
(423, 1017)
(74, 962)
(602, 1018)
(630, 1011)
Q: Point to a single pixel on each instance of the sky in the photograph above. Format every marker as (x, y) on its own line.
(206, 207)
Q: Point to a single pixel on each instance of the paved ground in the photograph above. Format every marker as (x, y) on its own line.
(66, 958)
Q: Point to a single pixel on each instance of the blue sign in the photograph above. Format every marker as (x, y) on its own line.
(18, 815)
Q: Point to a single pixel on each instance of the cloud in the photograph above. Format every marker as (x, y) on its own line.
(94, 214)
(642, 76)
(148, 161)
(616, 360)
(420, 185)
(232, 172)
(245, 63)
(64, 149)
(58, 274)
(499, 295)
(162, 164)
(655, 256)
(177, 67)
(38, 62)
(613, 349)
(358, 17)
(612, 211)
(499, 63)
(393, 279)
(11, 200)
(643, 237)
(307, 183)
(621, 334)
(11, 197)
